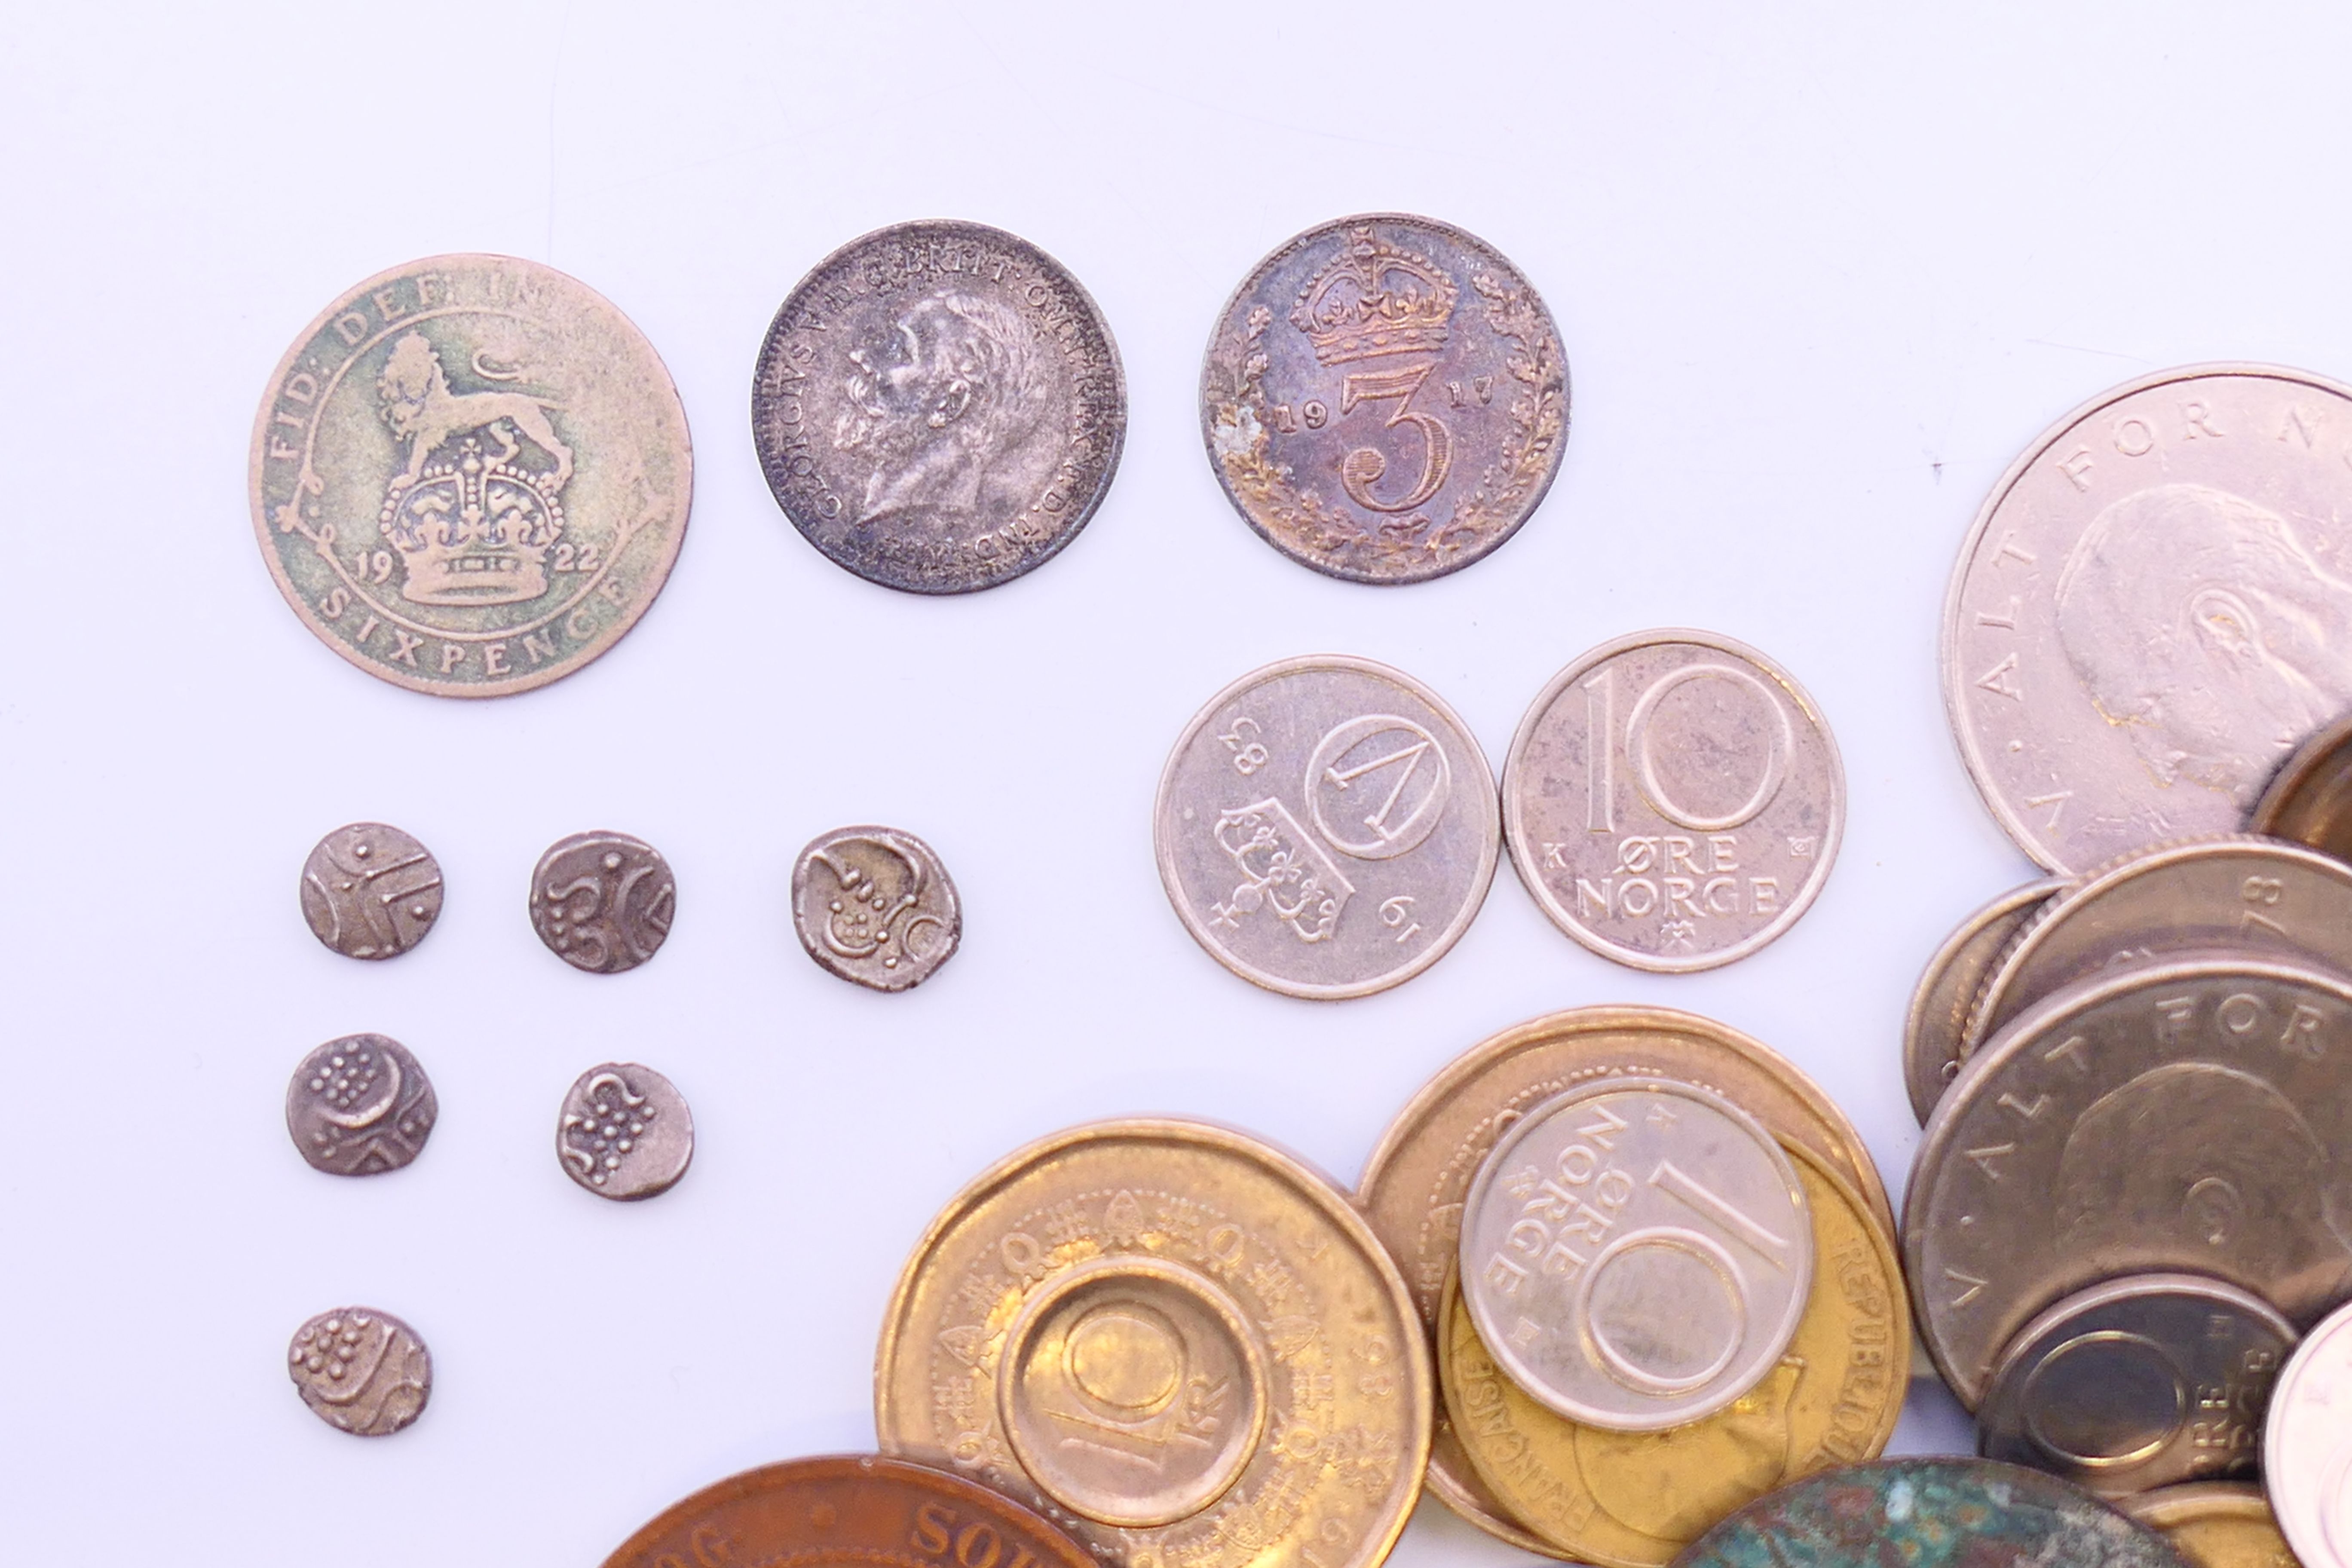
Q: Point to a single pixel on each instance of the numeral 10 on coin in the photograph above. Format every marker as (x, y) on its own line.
(1607, 743)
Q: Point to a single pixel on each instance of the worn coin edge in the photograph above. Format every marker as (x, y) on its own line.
(1915, 1042)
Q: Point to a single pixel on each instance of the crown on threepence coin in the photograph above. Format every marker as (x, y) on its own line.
(474, 529)
(1375, 299)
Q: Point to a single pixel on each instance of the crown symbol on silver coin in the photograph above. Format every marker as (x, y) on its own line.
(474, 529)
(1375, 299)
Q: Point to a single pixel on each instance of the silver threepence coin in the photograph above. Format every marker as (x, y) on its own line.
(624, 1132)
(2307, 1446)
(939, 406)
(361, 1370)
(1326, 827)
(875, 905)
(1938, 1020)
(2153, 608)
(360, 1106)
(2137, 1382)
(370, 891)
(1636, 1254)
(602, 901)
(1673, 800)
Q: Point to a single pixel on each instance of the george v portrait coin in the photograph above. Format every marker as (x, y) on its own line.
(602, 901)
(939, 406)
(360, 1106)
(370, 891)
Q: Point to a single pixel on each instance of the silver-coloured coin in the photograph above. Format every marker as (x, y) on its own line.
(2307, 1446)
(602, 901)
(361, 1370)
(1937, 1021)
(876, 906)
(624, 1132)
(370, 891)
(1673, 800)
(1326, 827)
(360, 1106)
(2137, 1382)
(1636, 1254)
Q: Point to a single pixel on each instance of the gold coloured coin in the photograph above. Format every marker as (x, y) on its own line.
(2215, 1524)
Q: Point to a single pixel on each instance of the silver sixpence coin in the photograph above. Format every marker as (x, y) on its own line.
(1636, 1254)
(1326, 827)
(602, 901)
(370, 891)
(361, 1370)
(360, 1106)
(1673, 800)
(1936, 1024)
(876, 906)
(624, 1132)
(2307, 1446)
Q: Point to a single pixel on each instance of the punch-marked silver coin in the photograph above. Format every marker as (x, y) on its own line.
(939, 406)
(1636, 1254)
(2138, 1382)
(602, 901)
(360, 1106)
(1673, 800)
(1936, 1024)
(876, 906)
(361, 1370)
(370, 891)
(624, 1132)
(2191, 1115)
(2309, 799)
(2307, 1446)
(1326, 827)
(2153, 608)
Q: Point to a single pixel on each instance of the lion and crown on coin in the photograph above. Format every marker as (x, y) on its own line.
(423, 412)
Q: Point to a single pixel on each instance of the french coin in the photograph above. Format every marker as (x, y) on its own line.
(939, 406)
(360, 1106)
(361, 1370)
(1384, 398)
(470, 475)
(2190, 1116)
(1636, 1254)
(2309, 800)
(853, 1510)
(2150, 610)
(624, 1132)
(1326, 827)
(876, 906)
(2214, 1524)
(370, 891)
(1628, 1500)
(2137, 1382)
(2307, 1446)
(602, 901)
(1934, 1027)
(1709, 792)
(1180, 1344)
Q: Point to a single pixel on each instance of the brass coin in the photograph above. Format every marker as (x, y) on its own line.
(2309, 799)
(1936, 1024)
(2214, 1524)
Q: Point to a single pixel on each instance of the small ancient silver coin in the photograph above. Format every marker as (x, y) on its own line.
(360, 1106)
(602, 901)
(361, 1370)
(1936, 1026)
(2307, 1446)
(875, 905)
(624, 1132)
(371, 891)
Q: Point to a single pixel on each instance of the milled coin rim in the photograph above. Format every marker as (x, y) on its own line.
(1915, 1019)
(2319, 1550)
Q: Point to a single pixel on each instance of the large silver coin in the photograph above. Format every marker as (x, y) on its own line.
(1326, 827)
(624, 1132)
(2151, 609)
(2194, 1115)
(1673, 800)
(1936, 1024)
(360, 1106)
(1636, 1254)
(361, 1370)
(2307, 1446)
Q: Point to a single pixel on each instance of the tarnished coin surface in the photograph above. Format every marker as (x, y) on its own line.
(2309, 799)
(1936, 1024)
(1673, 800)
(1326, 827)
(939, 406)
(851, 1511)
(876, 906)
(2137, 1382)
(2152, 609)
(360, 1106)
(361, 1370)
(1180, 1344)
(470, 476)
(624, 1132)
(1384, 398)
(2214, 1524)
(602, 901)
(370, 891)
(2307, 1446)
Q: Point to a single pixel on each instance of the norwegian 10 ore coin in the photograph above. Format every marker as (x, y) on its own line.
(370, 891)
(1936, 1024)
(2214, 1524)
(602, 901)
(624, 1132)
(876, 906)
(360, 1106)
(2309, 799)
(361, 1370)
(2307, 1446)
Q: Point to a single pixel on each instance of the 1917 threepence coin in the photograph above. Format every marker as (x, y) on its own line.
(602, 901)
(2309, 800)
(876, 906)
(939, 406)
(361, 1370)
(2307, 1446)
(470, 476)
(1936, 1024)
(2214, 1524)
(2153, 607)
(624, 1132)
(370, 891)
(360, 1106)
(1325, 827)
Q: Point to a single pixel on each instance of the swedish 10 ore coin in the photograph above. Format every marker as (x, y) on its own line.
(360, 1106)
(624, 1132)
(602, 901)
(470, 476)
(370, 891)
(361, 1370)
(876, 906)
(2307, 1446)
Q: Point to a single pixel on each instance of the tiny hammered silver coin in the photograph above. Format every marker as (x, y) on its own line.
(360, 1106)
(2307, 1446)
(361, 1370)
(875, 905)
(370, 891)
(602, 901)
(624, 1132)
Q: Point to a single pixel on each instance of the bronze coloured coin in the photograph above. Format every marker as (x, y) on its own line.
(624, 1132)
(361, 1370)
(876, 906)
(2214, 1524)
(370, 891)
(602, 901)
(1937, 1021)
(2309, 800)
(360, 1106)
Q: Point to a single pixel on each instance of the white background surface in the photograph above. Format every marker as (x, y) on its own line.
(1820, 272)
